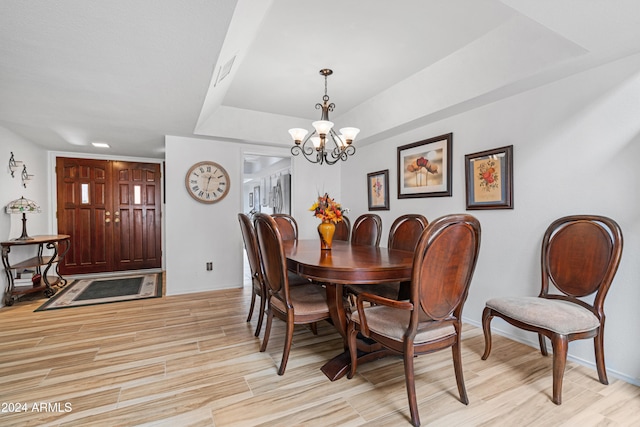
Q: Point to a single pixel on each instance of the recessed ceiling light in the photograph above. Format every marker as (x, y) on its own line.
(100, 144)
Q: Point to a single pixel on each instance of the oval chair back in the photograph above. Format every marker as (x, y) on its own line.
(367, 230)
(343, 230)
(287, 225)
(405, 232)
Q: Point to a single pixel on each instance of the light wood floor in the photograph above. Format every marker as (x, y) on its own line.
(192, 360)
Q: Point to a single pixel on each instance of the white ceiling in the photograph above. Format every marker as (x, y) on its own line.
(128, 72)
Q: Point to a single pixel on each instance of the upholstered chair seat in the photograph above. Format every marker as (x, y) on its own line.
(310, 300)
(558, 316)
(393, 324)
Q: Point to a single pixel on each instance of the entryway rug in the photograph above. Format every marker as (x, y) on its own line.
(106, 290)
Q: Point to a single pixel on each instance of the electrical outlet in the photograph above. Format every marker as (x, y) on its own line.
(209, 266)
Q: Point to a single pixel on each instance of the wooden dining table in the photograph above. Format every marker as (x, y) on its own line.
(347, 264)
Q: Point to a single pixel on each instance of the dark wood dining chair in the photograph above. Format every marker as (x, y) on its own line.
(289, 231)
(367, 229)
(288, 226)
(580, 257)
(257, 280)
(343, 230)
(431, 320)
(404, 235)
(296, 305)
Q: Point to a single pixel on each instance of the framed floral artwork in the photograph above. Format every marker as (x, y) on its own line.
(250, 200)
(378, 190)
(424, 168)
(489, 179)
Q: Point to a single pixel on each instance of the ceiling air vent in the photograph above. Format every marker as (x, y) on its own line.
(225, 70)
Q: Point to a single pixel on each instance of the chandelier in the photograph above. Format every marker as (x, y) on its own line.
(324, 145)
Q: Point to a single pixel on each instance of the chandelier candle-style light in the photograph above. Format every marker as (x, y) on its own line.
(324, 145)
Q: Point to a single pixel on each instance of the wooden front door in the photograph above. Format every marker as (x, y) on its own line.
(111, 210)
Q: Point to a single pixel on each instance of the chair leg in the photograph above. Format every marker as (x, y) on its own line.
(261, 314)
(314, 328)
(487, 315)
(457, 367)
(411, 384)
(598, 342)
(253, 302)
(288, 339)
(543, 345)
(267, 330)
(560, 344)
(353, 349)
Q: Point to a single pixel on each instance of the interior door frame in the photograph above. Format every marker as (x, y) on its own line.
(53, 191)
(268, 151)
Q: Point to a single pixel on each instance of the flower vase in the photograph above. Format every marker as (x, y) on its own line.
(326, 229)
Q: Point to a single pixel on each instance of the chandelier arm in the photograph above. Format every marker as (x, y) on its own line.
(350, 150)
(307, 149)
(336, 139)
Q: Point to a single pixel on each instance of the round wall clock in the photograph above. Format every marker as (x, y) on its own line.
(207, 182)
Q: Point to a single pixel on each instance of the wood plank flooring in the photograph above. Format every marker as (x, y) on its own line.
(192, 360)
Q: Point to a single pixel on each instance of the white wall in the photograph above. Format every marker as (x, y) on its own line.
(35, 158)
(576, 147)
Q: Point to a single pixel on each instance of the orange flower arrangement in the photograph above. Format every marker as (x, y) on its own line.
(327, 209)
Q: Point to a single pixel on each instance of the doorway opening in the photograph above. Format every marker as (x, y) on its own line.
(266, 189)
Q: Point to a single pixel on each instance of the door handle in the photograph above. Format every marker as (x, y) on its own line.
(107, 220)
(116, 220)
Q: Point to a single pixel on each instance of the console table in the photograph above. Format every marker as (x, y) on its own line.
(41, 263)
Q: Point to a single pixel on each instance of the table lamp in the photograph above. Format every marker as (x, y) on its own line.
(23, 206)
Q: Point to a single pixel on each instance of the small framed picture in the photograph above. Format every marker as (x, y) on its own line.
(489, 179)
(378, 190)
(250, 200)
(424, 168)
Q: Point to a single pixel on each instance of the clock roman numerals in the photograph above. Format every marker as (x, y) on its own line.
(207, 182)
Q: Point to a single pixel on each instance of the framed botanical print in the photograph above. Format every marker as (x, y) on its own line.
(250, 200)
(489, 179)
(378, 190)
(424, 168)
